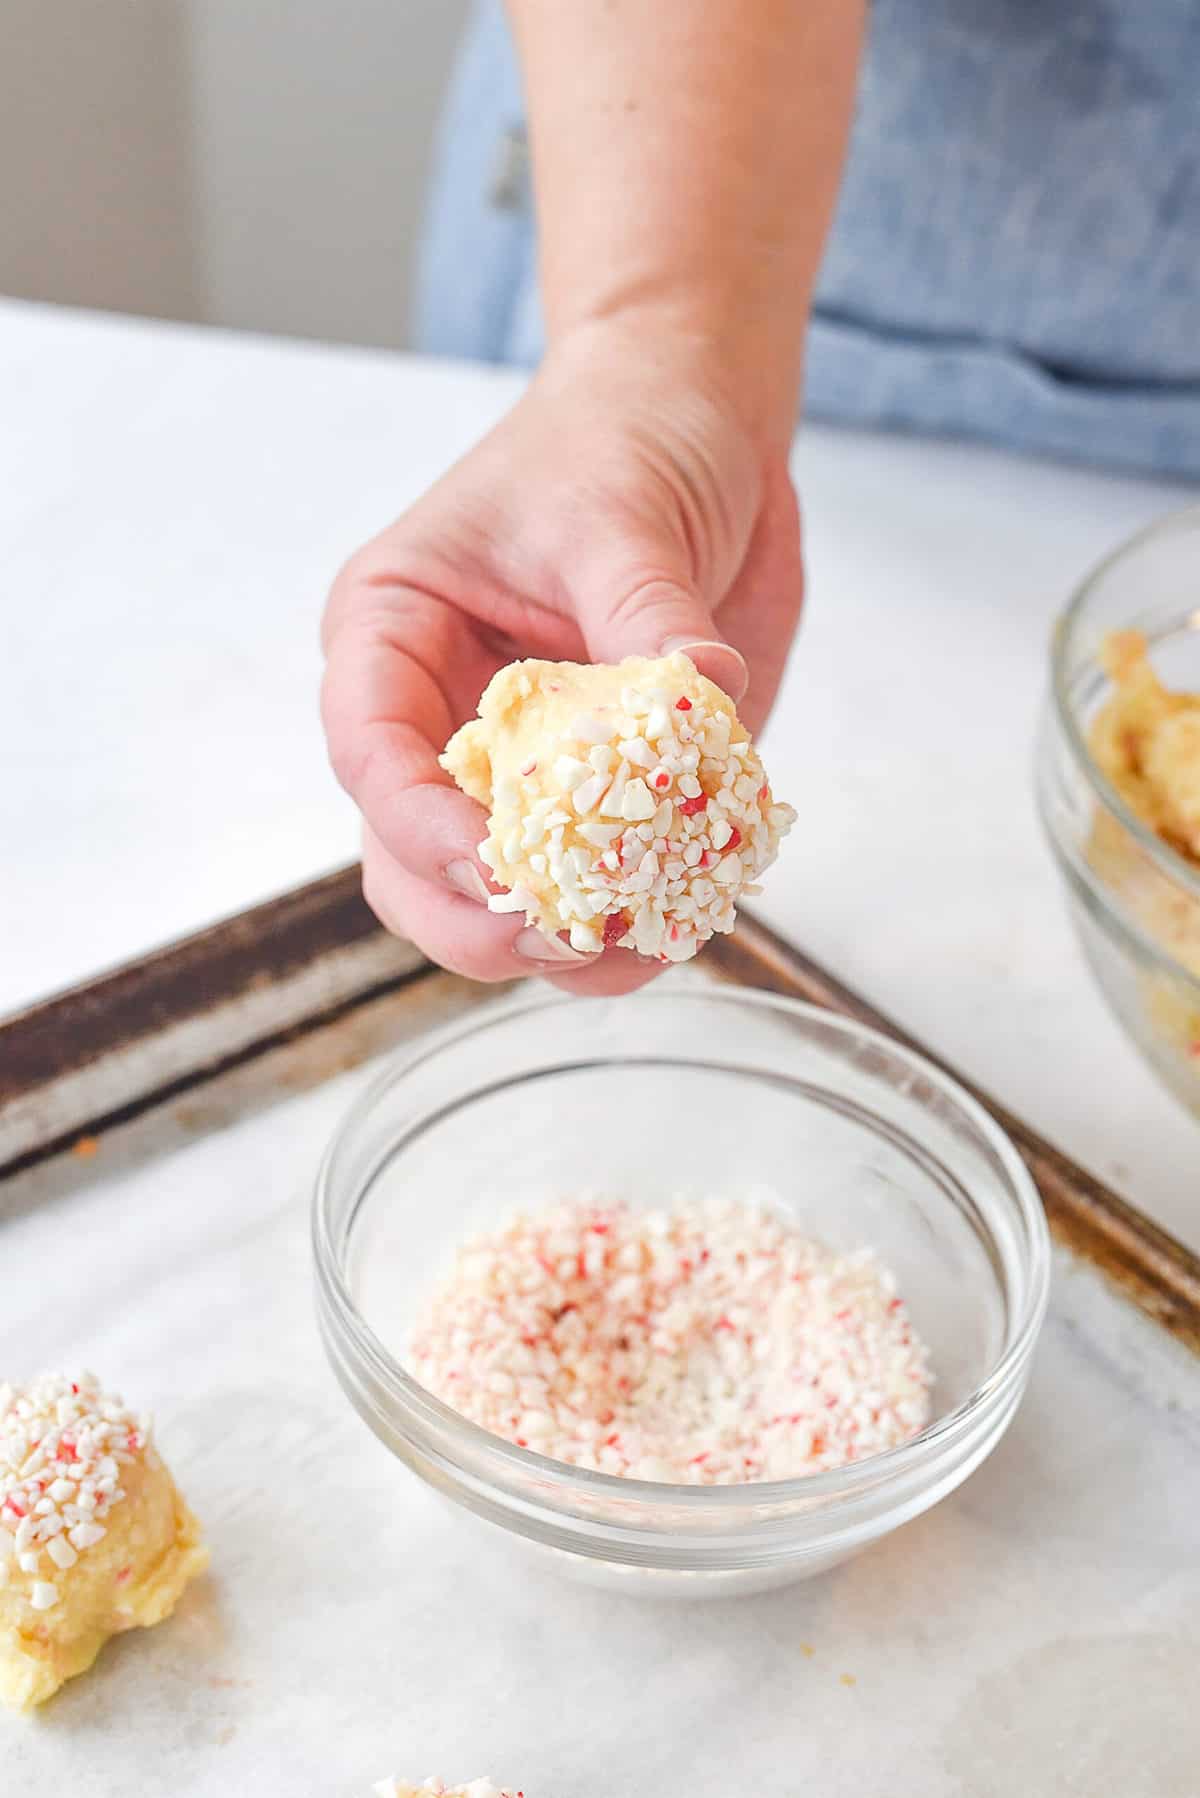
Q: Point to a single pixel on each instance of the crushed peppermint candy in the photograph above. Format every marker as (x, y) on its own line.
(706, 1343)
(63, 1444)
(433, 1788)
(639, 824)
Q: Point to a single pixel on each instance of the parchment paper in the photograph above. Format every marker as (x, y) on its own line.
(1036, 1633)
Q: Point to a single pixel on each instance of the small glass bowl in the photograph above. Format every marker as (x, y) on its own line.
(1134, 901)
(681, 1090)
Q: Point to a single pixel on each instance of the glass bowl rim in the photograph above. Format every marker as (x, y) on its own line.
(1086, 888)
(1168, 861)
(562, 1478)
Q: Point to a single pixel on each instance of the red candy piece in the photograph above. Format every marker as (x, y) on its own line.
(683, 704)
(689, 807)
(615, 926)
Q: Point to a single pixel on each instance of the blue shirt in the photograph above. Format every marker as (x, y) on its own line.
(1016, 252)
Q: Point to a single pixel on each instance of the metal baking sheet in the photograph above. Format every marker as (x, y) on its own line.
(308, 970)
(1035, 1633)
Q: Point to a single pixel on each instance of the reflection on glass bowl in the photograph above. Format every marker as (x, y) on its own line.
(1134, 899)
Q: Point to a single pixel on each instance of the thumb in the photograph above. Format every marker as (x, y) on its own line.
(656, 616)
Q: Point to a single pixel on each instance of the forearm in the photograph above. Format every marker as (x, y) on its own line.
(686, 162)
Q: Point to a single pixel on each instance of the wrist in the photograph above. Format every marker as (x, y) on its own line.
(746, 363)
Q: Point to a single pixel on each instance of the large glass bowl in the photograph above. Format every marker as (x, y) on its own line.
(1135, 902)
(681, 1089)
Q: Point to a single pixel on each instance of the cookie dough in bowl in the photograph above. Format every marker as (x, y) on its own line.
(627, 804)
(1118, 788)
(94, 1537)
(1146, 741)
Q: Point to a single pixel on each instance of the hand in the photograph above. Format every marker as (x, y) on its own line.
(623, 507)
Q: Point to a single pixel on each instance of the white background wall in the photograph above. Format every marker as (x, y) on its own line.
(257, 163)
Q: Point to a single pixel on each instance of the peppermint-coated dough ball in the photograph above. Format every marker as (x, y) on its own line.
(94, 1537)
(627, 804)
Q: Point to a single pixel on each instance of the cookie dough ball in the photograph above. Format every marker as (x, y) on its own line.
(433, 1788)
(627, 804)
(94, 1538)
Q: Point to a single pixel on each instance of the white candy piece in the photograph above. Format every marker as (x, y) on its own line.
(588, 728)
(568, 772)
(637, 751)
(587, 796)
(516, 900)
(638, 801)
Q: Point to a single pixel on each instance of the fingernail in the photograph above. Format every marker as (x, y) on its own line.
(535, 947)
(466, 879)
(720, 662)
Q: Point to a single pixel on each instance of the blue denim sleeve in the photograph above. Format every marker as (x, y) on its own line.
(477, 250)
(1016, 254)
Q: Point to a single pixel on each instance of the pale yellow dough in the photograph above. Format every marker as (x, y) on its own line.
(591, 775)
(1146, 739)
(129, 1579)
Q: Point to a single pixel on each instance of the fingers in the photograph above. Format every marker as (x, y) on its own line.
(457, 932)
(655, 617)
(613, 974)
(460, 934)
(386, 711)
(718, 660)
(386, 714)
(762, 609)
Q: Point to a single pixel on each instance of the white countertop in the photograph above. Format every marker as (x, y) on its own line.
(172, 505)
